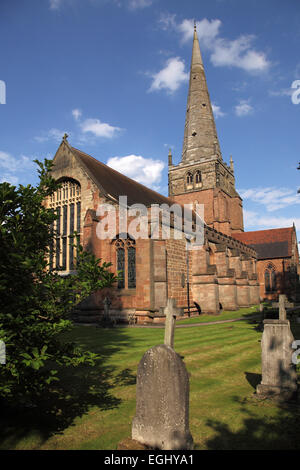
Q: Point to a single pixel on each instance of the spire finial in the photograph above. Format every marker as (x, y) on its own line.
(65, 137)
(195, 26)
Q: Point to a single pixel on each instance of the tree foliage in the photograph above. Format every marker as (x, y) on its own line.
(36, 302)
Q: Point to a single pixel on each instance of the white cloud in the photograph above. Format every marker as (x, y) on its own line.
(272, 198)
(238, 53)
(253, 219)
(224, 52)
(99, 129)
(138, 4)
(217, 111)
(51, 134)
(12, 167)
(76, 113)
(55, 4)
(144, 170)
(243, 108)
(167, 21)
(170, 77)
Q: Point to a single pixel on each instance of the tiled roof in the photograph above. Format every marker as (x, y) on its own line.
(115, 184)
(273, 243)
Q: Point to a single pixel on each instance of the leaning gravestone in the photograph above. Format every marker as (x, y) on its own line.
(279, 377)
(162, 408)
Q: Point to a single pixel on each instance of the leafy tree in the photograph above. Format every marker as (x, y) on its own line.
(36, 302)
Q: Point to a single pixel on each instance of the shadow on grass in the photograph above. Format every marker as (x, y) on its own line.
(78, 390)
(280, 432)
(253, 379)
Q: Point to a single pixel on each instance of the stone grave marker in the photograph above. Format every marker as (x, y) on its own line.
(162, 394)
(162, 406)
(279, 378)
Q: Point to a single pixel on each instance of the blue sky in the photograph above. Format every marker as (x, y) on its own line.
(113, 74)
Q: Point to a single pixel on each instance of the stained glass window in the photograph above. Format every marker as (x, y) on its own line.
(270, 279)
(57, 254)
(267, 281)
(65, 220)
(64, 254)
(126, 262)
(58, 222)
(131, 266)
(71, 218)
(121, 267)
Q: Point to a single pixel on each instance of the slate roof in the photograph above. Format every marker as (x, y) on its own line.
(273, 243)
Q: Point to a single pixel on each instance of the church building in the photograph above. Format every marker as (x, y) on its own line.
(224, 272)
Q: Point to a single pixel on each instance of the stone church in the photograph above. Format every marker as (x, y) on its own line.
(223, 273)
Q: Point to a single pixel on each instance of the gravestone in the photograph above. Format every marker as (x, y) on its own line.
(162, 406)
(279, 378)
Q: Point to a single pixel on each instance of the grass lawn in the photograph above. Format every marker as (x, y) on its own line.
(94, 407)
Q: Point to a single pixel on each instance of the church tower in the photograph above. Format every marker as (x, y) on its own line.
(202, 177)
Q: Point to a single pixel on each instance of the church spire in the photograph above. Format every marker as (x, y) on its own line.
(200, 134)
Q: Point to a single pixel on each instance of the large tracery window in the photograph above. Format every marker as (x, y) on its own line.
(66, 201)
(126, 262)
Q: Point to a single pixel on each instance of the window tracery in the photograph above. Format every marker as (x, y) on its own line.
(66, 201)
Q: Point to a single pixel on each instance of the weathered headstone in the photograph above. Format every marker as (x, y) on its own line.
(279, 378)
(162, 406)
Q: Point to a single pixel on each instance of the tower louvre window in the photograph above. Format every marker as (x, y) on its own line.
(198, 178)
(189, 178)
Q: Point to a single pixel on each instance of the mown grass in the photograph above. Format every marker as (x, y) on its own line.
(94, 407)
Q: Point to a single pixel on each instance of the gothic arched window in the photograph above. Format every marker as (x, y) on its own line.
(66, 201)
(126, 262)
(270, 279)
(267, 281)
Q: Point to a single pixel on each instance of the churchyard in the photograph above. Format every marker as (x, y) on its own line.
(93, 408)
